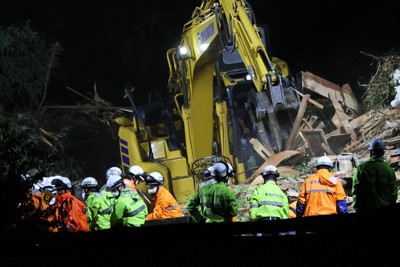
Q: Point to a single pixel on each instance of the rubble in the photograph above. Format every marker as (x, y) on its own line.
(346, 143)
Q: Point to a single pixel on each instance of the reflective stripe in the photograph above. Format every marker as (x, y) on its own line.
(323, 190)
(107, 210)
(173, 207)
(271, 203)
(133, 213)
(253, 206)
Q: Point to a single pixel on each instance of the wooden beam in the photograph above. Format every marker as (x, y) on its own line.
(297, 122)
(343, 119)
(260, 149)
(318, 105)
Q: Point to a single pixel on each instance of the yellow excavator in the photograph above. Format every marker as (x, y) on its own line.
(220, 65)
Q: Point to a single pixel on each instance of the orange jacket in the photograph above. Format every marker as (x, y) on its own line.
(292, 210)
(130, 184)
(164, 205)
(36, 207)
(320, 193)
(71, 213)
(38, 202)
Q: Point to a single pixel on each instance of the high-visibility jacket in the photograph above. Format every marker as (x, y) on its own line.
(321, 194)
(98, 212)
(129, 209)
(234, 219)
(213, 203)
(268, 200)
(108, 196)
(374, 185)
(164, 205)
(71, 213)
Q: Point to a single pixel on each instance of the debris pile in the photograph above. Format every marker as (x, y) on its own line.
(345, 138)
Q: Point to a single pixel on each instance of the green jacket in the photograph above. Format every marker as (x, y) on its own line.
(374, 185)
(213, 203)
(108, 196)
(98, 212)
(268, 200)
(129, 209)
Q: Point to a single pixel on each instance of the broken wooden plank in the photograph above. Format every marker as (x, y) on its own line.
(350, 99)
(273, 160)
(306, 123)
(343, 119)
(321, 86)
(315, 138)
(355, 124)
(312, 101)
(299, 140)
(260, 149)
(297, 122)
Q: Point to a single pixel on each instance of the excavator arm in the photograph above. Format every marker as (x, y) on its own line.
(227, 27)
(220, 57)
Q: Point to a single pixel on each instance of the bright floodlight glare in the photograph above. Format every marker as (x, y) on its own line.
(183, 50)
(203, 47)
(248, 77)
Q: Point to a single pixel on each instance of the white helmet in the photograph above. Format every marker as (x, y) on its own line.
(47, 185)
(231, 170)
(61, 182)
(270, 169)
(113, 171)
(219, 170)
(155, 178)
(325, 161)
(207, 173)
(43, 185)
(136, 170)
(88, 182)
(114, 181)
(66, 181)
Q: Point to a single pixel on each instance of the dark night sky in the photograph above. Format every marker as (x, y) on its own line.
(113, 42)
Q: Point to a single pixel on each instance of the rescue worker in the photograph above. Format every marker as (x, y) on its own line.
(268, 202)
(321, 193)
(113, 171)
(207, 178)
(98, 210)
(134, 177)
(374, 181)
(214, 202)
(231, 176)
(34, 210)
(129, 208)
(70, 211)
(109, 198)
(163, 204)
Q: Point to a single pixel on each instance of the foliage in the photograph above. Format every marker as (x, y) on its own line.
(243, 193)
(379, 89)
(26, 148)
(23, 67)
